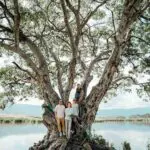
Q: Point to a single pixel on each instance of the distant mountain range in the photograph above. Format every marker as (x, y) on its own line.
(141, 116)
(124, 112)
(35, 110)
(23, 109)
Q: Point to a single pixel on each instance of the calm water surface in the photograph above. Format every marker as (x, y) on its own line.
(138, 135)
(21, 137)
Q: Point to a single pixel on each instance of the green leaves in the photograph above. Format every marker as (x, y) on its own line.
(44, 21)
(99, 15)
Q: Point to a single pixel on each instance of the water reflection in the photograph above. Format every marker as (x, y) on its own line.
(21, 142)
(21, 137)
(137, 134)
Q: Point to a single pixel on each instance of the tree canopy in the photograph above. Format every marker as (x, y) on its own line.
(70, 40)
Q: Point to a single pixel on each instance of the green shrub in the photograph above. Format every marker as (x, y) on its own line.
(126, 146)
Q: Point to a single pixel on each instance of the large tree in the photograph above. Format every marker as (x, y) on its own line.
(56, 43)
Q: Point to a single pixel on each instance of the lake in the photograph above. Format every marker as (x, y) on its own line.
(21, 137)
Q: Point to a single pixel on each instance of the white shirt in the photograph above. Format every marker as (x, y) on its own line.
(60, 111)
(75, 108)
(68, 113)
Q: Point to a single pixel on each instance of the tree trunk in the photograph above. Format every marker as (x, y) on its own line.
(80, 140)
(51, 140)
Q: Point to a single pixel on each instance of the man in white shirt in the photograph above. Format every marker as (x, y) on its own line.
(60, 117)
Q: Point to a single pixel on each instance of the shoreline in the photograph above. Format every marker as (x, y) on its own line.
(24, 119)
(19, 119)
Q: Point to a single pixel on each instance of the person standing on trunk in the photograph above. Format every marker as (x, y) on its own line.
(79, 95)
(75, 107)
(68, 119)
(60, 117)
(78, 92)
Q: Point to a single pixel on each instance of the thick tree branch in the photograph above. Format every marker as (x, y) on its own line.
(113, 19)
(71, 7)
(59, 71)
(6, 10)
(41, 70)
(84, 67)
(77, 16)
(31, 44)
(123, 78)
(95, 60)
(72, 64)
(16, 23)
(71, 37)
(24, 70)
(35, 49)
(129, 16)
(87, 76)
(29, 62)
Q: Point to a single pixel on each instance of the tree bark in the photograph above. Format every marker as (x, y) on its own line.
(132, 10)
(98, 92)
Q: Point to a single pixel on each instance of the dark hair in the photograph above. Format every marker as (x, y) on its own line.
(69, 103)
(75, 100)
(60, 100)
